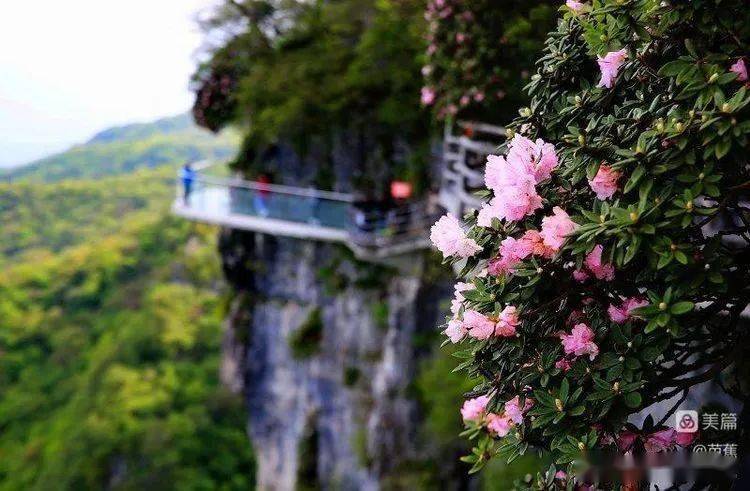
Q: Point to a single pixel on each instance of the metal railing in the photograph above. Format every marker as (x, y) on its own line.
(367, 225)
(464, 158)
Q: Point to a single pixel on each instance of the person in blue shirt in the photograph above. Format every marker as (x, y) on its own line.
(187, 174)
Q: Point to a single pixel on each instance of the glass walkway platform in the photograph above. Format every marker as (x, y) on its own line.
(305, 213)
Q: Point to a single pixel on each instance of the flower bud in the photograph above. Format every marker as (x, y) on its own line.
(662, 306)
(559, 404)
(713, 78)
(581, 140)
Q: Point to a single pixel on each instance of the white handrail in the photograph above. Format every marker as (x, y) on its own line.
(275, 188)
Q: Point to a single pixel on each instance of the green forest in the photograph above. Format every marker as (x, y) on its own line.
(109, 351)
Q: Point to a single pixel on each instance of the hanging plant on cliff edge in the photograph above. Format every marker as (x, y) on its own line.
(609, 268)
(479, 55)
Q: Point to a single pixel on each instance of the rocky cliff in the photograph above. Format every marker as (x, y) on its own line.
(322, 347)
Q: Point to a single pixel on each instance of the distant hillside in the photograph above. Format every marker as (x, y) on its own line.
(123, 149)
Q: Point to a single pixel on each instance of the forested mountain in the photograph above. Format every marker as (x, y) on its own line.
(125, 149)
(109, 342)
(48, 218)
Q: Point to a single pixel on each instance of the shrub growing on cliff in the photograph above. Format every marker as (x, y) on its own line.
(480, 54)
(307, 71)
(609, 268)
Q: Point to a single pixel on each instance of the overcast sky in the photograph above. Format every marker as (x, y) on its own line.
(69, 68)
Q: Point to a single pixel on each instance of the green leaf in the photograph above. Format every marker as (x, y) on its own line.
(577, 411)
(633, 399)
(564, 389)
(634, 178)
(682, 308)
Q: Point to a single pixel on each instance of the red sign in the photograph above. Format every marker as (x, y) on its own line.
(401, 190)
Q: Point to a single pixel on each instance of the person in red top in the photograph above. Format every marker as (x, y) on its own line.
(262, 194)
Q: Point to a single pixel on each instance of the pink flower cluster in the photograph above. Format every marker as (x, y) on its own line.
(623, 313)
(555, 228)
(501, 424)
(740, 69)
(658, 441)
(479, 326)
(513, 251)
(580, 342)
(456, 330)
(450, 238)
(475, 410)
(610, 65)
(513, 180)
(594, 266)
(428, 96)
(604, 182)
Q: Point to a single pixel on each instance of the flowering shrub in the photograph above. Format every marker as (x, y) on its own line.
(479, 55)
(611, 261)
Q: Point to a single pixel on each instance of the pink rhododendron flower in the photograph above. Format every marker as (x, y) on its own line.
(507, 323)
(498, 424)
(500, 175)
(450, 239)
(512, 204)
(660, 441)
(580, 341)
(563, 364)
(458, 297)
(426, 70)
(526, 162)
(533, 240)
(537, 159)
(464, 100)
(455, 330)
(556, 228)
(479, 96)
(593, 261)
(513, 251)
(580, 275)
(515, 412)
(604, 182)
(740, 69)
(478, 325)
(610, 65)
(574, 6)
(473, 409)
(622, 314)
(625, 440)
(428, 96)
(561, 475)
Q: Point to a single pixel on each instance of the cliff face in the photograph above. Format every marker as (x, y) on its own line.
(323, 349)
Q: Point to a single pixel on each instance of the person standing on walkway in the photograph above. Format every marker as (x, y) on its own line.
(262, 195)
(187, 175)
